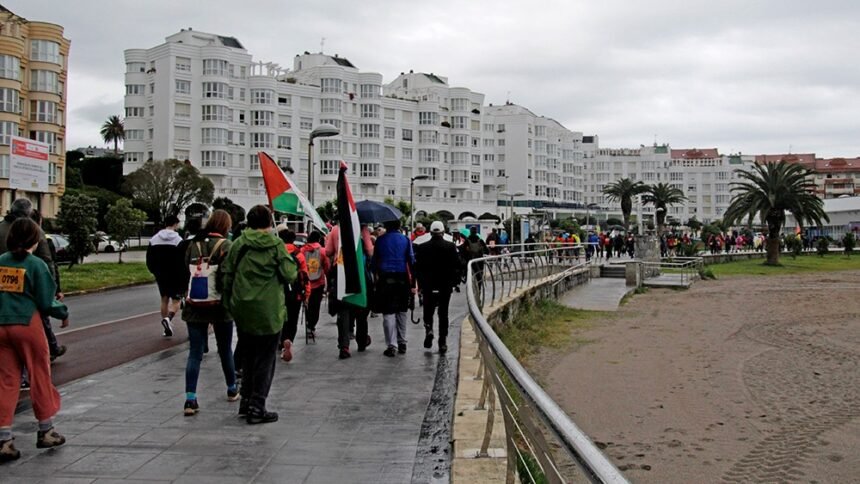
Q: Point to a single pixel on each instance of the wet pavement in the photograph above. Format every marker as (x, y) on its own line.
(365, 419)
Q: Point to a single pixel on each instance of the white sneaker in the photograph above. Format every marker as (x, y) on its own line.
(168, 328)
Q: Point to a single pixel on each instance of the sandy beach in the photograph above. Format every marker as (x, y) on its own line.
(744, 379)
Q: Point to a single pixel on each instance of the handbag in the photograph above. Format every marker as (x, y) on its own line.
(203, 286)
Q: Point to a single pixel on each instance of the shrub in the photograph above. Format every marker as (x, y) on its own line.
(849, 241)
(706, 273)
(822, 246)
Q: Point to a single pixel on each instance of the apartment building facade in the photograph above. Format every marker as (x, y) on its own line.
(201, 97)
(33, 75)
(834, 177)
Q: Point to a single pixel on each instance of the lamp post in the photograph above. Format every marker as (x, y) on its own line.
(588, 212)
(511, 210)
(657, 224)
(412, 199)
(321, 131)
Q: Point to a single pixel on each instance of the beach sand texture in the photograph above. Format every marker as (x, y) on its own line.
(743, 379)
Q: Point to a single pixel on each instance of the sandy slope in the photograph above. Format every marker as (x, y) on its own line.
(744, 379)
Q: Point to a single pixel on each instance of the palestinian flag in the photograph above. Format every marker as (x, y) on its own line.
(284, 195)
(351, 285)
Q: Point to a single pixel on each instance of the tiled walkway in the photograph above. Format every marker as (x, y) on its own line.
(599, 294)
(355, 420)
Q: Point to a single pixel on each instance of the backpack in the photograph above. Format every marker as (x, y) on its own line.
(296, 289)
(314, 262)
(203, 285)
(474, 249)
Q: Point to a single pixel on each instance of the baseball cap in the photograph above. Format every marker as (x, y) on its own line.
(437, 227)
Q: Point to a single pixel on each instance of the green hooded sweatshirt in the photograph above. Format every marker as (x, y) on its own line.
(255, 272)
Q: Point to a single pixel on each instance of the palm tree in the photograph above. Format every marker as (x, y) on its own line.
(113, 131)
(623, 191)
(661, 196)
(768, 191)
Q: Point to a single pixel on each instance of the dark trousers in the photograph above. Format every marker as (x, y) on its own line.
(433, 301)
(346, 317)
(291, 325)
(53, 345)
(258, 368)
(312, 316)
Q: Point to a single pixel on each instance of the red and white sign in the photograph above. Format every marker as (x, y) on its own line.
(28, 165)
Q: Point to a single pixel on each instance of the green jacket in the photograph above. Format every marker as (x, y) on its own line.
(26, 286)
(217, 313)
(255, 273)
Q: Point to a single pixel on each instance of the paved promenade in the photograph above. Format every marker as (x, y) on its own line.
(599, 294)
(365, 419)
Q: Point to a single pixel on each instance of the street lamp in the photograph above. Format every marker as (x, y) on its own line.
(588, 212)
(657, 224)
(511, 210)
(412, 199)
(322, 131)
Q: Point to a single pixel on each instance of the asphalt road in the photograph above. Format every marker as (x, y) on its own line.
(101, 307)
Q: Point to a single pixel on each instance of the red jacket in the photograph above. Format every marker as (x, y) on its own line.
(294, 251)
(324, 260)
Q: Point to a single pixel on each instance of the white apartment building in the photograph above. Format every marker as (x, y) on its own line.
(200, 97)
(703, 175)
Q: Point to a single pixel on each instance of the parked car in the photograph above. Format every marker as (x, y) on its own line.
(108, 245)
(61, 245)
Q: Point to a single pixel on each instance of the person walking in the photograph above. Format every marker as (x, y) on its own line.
(165, 259)
(256, 272)
(349, 316)
(475, 248)
(437, 267)
(209, 247)
(27, 293)
(318, 266)
(295, 294)
(393, 263)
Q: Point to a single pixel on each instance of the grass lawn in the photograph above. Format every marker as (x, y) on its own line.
(803, 263)
(545, 324)
(100, 275)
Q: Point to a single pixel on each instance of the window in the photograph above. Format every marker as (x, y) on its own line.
(10, 67)
(152, 110)
(460, 104)
(4, 166)
(215, 89)
(131, 67)
(369, 150)
(134, 90)
(306, 123)
(459, 122)
(369, 111)
(489, 142)
(676, 176)
(429, 137)
(134, 135)
(370, 170)
(10, 100)
(134, 112)
(330, 85)
(431, 156)
(286, 164)
(183, 64)
(285, 143)
(329, 167)
(213, 136)
(476, 160)
(330, 146)
(330, 105)
(215, 113)
(182, 110)
(181, 154)
(389, 113)
(183, 87)
(390, 133)
(215, 67)
(45, 51)
(307, 104)
(183, 133)
(407, 153)
(45, 137)
(261, 140)
(370, 91)
(285, 100)
(370, 131)
(217, 159)
(458, 158)
(285, 121)
(428, 118)
(262, 96)
(432, 173)
(407, 134)
(262, 118)
(501, 128)
(133, 157)
(45, 81)
(460, 140)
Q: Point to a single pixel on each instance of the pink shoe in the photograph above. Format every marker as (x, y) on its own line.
(287, 353)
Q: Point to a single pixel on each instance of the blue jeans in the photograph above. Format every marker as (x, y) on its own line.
(198, 333)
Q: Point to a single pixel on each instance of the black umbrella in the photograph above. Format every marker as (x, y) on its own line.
(370, 212)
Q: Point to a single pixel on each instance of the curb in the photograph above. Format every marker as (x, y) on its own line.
(106, 289)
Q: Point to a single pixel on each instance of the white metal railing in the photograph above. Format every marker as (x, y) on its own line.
(543, 443)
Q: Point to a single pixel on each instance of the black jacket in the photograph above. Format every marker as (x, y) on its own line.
(437, 265)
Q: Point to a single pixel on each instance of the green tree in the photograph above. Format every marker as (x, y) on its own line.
(113, 132)
(662, 195)
(167, 187)
(327, 210)
(849, 241)
(77, 219)
(123, 221)
(404, 207)
(694, 224)
(237, 213)
(623, 191)
(103, 171)
(770, 190)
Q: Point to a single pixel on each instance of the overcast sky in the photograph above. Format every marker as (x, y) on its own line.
(748, 76)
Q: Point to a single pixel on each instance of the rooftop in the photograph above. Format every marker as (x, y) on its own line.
(695, 154)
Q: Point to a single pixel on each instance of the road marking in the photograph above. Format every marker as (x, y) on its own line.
(105, 323)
